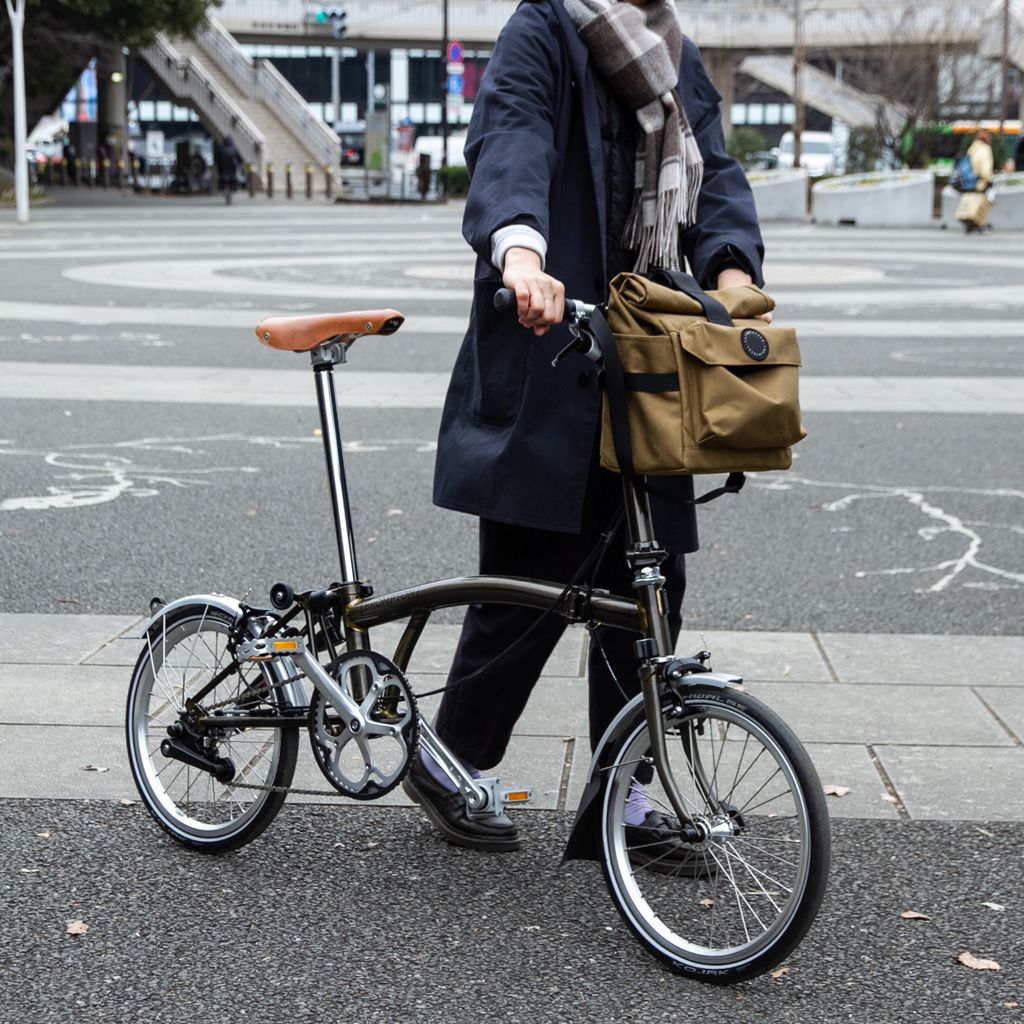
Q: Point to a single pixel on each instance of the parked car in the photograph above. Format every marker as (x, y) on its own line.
(817, 152)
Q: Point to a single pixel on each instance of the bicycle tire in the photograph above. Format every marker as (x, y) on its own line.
(182, 653)
(761, 878)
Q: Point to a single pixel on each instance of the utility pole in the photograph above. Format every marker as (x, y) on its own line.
(16, 12)
(798, 93)
(444, 79)
(1005, 66)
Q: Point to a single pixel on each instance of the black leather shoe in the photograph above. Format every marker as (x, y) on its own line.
(655, 846)
(496, 833)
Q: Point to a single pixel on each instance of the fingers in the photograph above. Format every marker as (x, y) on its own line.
(766, 317)
(540, 300)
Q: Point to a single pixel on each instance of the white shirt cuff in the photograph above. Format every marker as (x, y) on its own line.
(517, 236)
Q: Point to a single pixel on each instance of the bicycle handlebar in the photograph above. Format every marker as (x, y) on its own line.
(575, 311)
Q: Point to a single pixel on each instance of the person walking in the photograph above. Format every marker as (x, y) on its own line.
(595, 147)
(975, 205)
(227, 160)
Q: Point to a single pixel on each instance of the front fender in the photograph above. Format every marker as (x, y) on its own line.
(584, 840)
(282, 668)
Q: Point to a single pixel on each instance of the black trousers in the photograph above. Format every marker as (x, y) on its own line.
(476, 720)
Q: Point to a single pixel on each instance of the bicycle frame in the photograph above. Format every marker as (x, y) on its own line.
(646, 614)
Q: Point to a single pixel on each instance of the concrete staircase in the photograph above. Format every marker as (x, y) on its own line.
(272, 125)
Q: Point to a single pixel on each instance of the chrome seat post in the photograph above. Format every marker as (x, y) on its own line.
(324, 357)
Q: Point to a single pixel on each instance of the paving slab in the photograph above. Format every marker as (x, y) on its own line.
(45, 639)
(757, 655)
(850, 765)
(843, 713)
(49, 761)
(1008, 703)
(957, 783)
(926, 660)
(62, 695)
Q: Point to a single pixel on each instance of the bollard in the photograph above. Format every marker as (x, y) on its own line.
(288, 181)
(105, 173)
(120, 173)
(309, 181)
(270, 181)
(77, 177)
(250, 173)
(136, 174)
(328, 181)
(62, 169)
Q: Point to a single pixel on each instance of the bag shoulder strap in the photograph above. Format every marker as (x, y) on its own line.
(615, 389)
(714, 311)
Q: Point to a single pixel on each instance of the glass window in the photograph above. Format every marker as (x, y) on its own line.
(147, 110)
(432, 112)
(163, 110)
(788, 113)
(755, 113)
(181, 113)
(739, 113)
(773, 113)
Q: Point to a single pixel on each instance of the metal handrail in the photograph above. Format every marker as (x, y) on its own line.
(261, 80)
(188, 80)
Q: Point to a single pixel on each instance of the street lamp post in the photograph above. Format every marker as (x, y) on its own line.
(798, 92)
(444, 79)
(16, 12)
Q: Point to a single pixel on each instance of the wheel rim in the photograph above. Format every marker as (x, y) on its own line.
(738, 893)
(176, 664)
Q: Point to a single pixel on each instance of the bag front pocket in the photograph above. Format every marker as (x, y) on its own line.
(743, 385)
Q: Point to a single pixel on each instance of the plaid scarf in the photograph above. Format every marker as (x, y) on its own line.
(637, 49)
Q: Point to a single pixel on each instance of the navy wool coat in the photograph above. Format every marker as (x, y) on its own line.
(517, 437)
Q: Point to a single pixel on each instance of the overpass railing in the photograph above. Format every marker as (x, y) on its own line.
(188, 80)
(261, 80)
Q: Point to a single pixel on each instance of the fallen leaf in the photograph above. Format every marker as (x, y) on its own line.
(532, 927)
(1011, 1005)
(125, 802)
(977, 963)
(94, 768)
(994, 906)
(781, 972)
(393, 512)
(889, 798)
(786, 671)
(317, 432)
(914, 915)
(371, 844)
(708, 903)
(43, 835)
(76, 928)
(984, 831)
(29, 871)
(836, 790)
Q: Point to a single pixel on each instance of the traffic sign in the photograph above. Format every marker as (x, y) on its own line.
(455, 51)
(456, 67)
(455, 85)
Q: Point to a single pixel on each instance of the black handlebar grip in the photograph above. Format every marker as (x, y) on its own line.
(504, 299)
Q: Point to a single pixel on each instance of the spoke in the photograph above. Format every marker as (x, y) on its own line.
(766, 802)
(756, 875)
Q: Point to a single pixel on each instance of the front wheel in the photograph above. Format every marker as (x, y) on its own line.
(735, 894)
(183, 655)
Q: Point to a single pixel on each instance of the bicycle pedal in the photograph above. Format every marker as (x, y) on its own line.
(262, 649)
(515, 796)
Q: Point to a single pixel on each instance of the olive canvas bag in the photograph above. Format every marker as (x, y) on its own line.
(693, 383)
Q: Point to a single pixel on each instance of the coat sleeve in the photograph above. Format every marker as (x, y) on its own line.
(510, 147)
(726, 217)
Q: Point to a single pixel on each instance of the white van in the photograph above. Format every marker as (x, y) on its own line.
(817, 152)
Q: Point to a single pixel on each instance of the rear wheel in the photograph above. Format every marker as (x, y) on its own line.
(204, 810)
(741, 894)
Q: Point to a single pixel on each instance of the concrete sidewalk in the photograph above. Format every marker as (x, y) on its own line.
(925, 727)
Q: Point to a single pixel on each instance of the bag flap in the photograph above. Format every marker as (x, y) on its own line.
(636, 291)
(744, 301)
(750, 344)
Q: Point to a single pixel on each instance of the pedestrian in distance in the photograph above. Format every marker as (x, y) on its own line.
(227, 160)
(1018, 154)
(585, 161)
(973, 176)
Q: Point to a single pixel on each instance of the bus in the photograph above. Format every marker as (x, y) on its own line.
(939, 143)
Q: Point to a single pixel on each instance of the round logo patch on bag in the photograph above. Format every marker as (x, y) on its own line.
(754, 343)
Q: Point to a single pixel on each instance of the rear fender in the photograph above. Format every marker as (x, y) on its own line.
(280, 668)
(584, 839)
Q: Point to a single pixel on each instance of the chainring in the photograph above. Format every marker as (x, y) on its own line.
(370, 763)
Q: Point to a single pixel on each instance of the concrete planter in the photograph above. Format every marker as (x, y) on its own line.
(1007, 210)
(880, 199)
(779, 195)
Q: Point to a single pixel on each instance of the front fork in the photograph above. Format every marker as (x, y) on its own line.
(655, 649)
